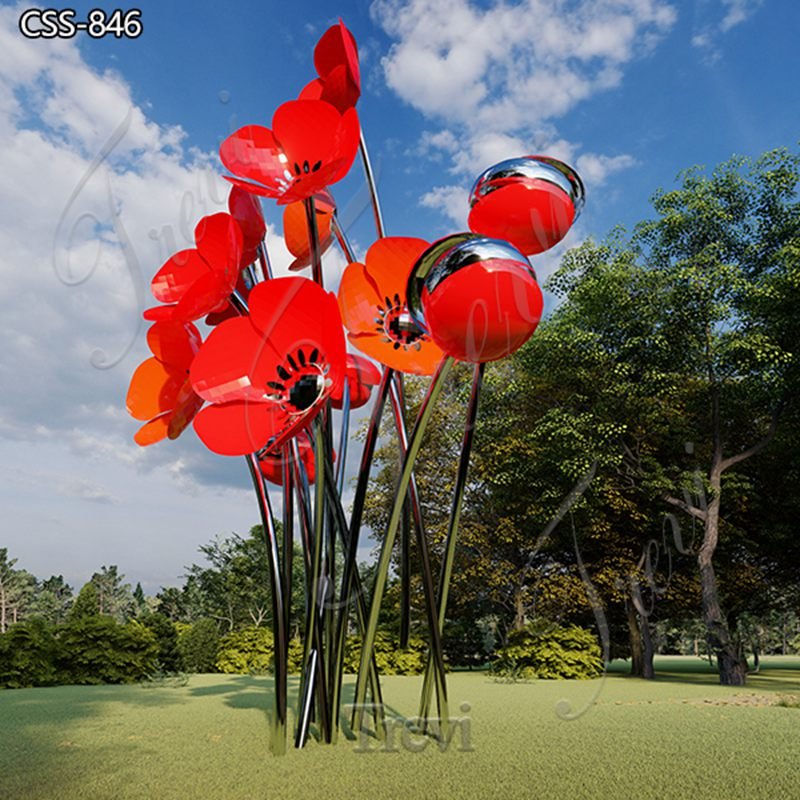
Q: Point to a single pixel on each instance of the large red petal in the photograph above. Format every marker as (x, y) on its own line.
(337, 48)
(417, 362)
(359, 300)
(186, 408)
(389, 263)
(307, 132)
(246, 210)
(219, 242)
(203, 296)
(238, 428)
(174, 343)
(254, 153)
(295, 230)
(177, 274)
(294, 314)
(235, 363)
(348, 136)
(160, 313)
(153, 431)
(153, 390)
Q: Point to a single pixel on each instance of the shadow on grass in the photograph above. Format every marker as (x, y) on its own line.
(777, 673)
(251, 692)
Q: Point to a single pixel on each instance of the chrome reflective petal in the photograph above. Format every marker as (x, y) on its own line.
(541, 168)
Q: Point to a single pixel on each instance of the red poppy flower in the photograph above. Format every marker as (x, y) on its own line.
(361, 375)
(246, 210)
(372, 299)
(311, 145)
(477, 297)
(271, 464)
(336, 62)
(530, 202)
(295, 229)
(200, 279)
(269, 374)
(160, 390)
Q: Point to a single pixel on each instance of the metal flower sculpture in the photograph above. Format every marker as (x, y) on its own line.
(278, 381)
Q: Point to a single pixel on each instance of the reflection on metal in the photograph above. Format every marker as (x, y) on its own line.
(382, 569)
(373, 189)
(449, 255)
(542, 168)
(278, 620)
(452, 527)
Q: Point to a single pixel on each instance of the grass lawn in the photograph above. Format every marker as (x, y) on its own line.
(682, 736)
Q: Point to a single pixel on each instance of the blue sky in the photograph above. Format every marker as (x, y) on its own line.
(629, 91)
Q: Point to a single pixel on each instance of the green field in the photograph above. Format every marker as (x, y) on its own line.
(679, 737)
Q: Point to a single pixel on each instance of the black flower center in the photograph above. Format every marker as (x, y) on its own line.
(305, 391)
(397, 326)
(302, 380)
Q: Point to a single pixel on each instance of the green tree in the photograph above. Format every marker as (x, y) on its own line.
(113, 596)
(87, 603)
(198, 645)
(52, 599)
(16, 591)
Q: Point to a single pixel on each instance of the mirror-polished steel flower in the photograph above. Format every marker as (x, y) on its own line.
(531, 202)
(476, 297)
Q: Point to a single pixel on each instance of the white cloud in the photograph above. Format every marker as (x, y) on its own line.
(707, 36)
(499, 78)
(738, 11)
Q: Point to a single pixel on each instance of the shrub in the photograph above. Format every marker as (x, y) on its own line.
(246, 652)
(27, 655)
(250, 651)
(198, 646)
(97, 649)
(546, 650)
(391, 660)
(169, 657)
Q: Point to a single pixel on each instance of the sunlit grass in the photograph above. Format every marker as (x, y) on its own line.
(680, 736)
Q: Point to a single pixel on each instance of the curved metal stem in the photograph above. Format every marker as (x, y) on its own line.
(355, 529)
(452, 527)
(278, 619)
(341, 238)
(344, 435)
(429, 590)
(382, 570)
(373, 189)
(313, 238)
(264, 263)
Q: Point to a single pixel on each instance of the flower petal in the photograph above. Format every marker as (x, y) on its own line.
(219, 242)
(206, 294)
(234, 363)
(337, 48)
(160, 313)
(417, 362)
(293, 314)
(153, 390)
(254, 153)
(390, 261)
(246, 210)
(186, 408)
(239, 427)
(295, 231)
(174, 344)
(359, 299)
(177, 274)
(153, 431)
